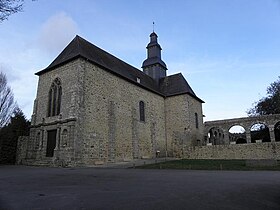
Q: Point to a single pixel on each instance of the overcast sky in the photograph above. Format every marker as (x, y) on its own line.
(229, 51)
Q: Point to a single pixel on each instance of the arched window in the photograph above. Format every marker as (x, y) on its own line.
(54, 101)
(196, 120)
(142, 111)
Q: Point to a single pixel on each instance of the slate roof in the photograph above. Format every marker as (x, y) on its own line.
(81, 48)
(154, 60)
(175, 84)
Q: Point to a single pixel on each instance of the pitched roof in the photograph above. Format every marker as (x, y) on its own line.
(79, 47)
(176, 84)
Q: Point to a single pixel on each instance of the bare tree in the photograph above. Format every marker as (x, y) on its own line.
(9, 7)
(7, 103)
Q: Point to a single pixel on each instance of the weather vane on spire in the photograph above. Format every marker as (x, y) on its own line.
(153, 26)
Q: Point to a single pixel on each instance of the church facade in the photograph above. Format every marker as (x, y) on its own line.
(92, 107)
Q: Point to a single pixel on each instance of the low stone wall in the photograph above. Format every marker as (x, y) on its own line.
(269, 150)
(21, 149)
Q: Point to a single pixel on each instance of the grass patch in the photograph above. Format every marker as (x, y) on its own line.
(187, 164)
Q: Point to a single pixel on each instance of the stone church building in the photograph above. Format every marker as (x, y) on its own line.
(92, 107)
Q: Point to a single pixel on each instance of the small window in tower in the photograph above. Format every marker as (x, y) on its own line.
(138, 79)
(196, 120)
(142, 111)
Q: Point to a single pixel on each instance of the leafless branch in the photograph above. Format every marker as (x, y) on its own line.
(7, 103)
(9, 7)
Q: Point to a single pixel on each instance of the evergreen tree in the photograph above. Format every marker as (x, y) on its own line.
(9, 134)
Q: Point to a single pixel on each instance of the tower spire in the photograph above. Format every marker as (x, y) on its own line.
(153, 65)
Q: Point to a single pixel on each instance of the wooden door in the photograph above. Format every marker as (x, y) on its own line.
(51, 143)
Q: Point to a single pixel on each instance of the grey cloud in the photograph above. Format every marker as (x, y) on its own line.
(8, 71)
(57, 32)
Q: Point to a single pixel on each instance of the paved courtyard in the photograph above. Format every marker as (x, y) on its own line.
(24, 187)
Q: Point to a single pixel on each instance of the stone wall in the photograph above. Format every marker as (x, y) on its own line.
(22, 144)
(181, 127)
(271, 121)
(100, 119)
(112, 130)
(71, 76)
(196, 133)
(269, 150)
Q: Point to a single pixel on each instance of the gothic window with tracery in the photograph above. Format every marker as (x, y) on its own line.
(54, 102)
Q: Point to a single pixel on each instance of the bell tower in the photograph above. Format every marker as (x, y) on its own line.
(153, 66)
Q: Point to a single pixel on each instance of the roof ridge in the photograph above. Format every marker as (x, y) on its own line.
(80, 47)
(174, 74)
(110, 54)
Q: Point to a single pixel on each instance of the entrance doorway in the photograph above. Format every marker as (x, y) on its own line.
(51, 142)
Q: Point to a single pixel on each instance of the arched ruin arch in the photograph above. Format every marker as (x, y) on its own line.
(277, 131)
(237, 134)
(216, 136)
(247, 122)
(259, 133)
